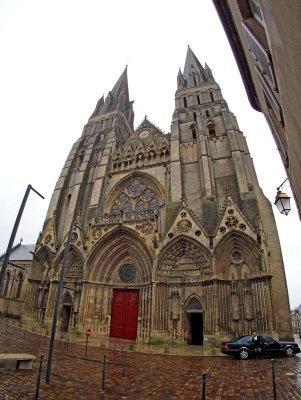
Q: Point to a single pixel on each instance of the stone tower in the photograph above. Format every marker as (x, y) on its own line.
(176, 238)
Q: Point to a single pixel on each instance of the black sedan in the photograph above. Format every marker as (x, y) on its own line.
(243, 347)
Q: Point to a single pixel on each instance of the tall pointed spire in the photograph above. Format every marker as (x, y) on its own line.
(116, 100)
(194, 73)
(180, 80)
(98, 107)
(208, 74)
(121, 85)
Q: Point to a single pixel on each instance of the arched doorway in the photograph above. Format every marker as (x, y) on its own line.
(122, 264)
(195, 323)
(66, 312)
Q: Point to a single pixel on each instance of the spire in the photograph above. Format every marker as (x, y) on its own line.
(194, 73)
(208, 74)
(117, 100)
(121, 85)
(181, 83)
(98, 107)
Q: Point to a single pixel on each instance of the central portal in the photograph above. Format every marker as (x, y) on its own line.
(124, 319)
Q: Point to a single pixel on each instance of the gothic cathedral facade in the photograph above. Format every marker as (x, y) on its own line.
(173, 236)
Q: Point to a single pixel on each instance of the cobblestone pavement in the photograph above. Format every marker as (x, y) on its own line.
(145, 376)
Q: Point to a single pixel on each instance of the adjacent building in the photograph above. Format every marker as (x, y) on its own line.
(13, 290)
(173, 237)
(265, 37)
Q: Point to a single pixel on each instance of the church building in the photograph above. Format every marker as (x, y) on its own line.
(173, 237)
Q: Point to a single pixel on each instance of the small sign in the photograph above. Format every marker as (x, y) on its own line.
(88, 332)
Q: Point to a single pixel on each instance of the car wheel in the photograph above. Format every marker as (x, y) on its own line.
(289, 351)
(244, 354)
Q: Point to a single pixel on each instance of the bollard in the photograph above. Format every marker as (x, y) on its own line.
(274, 381)
(103, 374)
(121, 355)
(123, 364)
(203, 385)
(87, 338)
(39, 377)
(114, 353)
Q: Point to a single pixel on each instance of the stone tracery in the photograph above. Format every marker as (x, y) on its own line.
(135, 196)
(237, 257)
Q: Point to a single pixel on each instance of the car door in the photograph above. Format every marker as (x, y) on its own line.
(272, 346)
(246, 341)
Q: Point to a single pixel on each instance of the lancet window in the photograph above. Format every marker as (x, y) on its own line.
(20, 284)
(211, 130)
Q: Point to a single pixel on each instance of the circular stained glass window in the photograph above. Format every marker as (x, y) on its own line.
(127, 273)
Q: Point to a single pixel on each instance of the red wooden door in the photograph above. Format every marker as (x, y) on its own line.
(125, 314)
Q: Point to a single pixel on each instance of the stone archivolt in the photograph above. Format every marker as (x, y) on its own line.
(120, 246)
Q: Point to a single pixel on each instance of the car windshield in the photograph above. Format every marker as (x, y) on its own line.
(242, 339)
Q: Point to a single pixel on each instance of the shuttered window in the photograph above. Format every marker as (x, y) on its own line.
(279, 142)
(260, 53)
(270, 95)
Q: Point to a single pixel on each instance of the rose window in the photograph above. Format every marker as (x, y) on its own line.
(74, 237)
(231, 222)
(237, 257)
(184, 226)
(48, 239)
(127, 273)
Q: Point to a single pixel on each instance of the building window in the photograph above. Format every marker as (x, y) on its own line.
(193, 131)
(198, 99)
(185, 101)
(127, 273)
(270, 95)
(207, 113)
(211, 96)
(261, 54)
(135, 197)
(196, 79)
(20, 284)
(194, 116)
(211, 130)
(278, 134)
(81, 159)
(256, 10)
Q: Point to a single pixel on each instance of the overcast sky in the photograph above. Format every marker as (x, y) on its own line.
(59, 57)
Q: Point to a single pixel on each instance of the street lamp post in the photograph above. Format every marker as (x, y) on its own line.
(57, 304)
(13, 235)
(282, 200)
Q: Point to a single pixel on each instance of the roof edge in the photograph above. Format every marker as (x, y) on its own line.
(225, 16)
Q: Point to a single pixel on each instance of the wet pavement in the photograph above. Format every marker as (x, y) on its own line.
(77, 372)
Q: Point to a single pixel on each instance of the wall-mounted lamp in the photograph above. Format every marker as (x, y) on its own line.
(282, 200)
